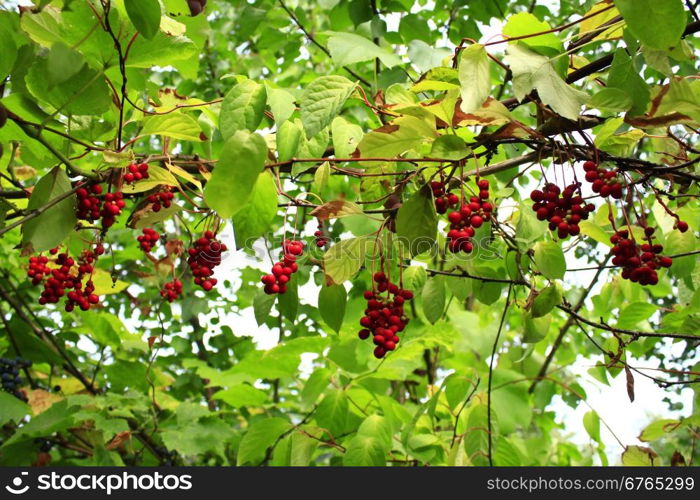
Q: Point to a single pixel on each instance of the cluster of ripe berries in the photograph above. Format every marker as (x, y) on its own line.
(563, 209)
(468, 218)
(281, 272)
(604, 182)
(163, 199)
(148, 239)
(172, 290)
(639, 262)
(443, 200)
(92, 207)
(66, 274)
(384, 317)
(321, 240)
(204, 256)
(9, 375)
(136, 173)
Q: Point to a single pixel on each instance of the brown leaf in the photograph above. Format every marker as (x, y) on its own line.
(630, 383)
(41, 400)
(118, 440)
(152, 340)
(677, 460)
(174, 247)
(335, 209)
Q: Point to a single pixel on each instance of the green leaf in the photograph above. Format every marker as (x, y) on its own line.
(250, 224)
(371, 444)
(547, 300)
(261, 435)
(344, 259)
(591, 422)
(413, 27)
(524, 23)
(534, 71)
(322, 100)
(161, 50)
(8, 49)
(416, 222)
(535, 329)
(332, 412)
(315, 385)
(198, 438)
(346, 136)
(145, 16)
(63, 63)
(240, 162)
(176, 125)
(433, 297)
(399, 136)
(474, 77)
(658, 429)
(476, 441)
(51, 227)
(241, 396)
(58, 417)
(451, 147)
(12, 408)
(658, 25)
(331, 305)
(289, 136)
(611, 99)
(348, 48)
(549, 259)
(678, 243)
(262, 305)
(624, 76)
(281, 104)
(635, 313)
(288, 303)
(639, 456)
(242, 108)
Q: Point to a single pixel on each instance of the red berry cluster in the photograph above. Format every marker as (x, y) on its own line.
(204, 257)
(605, 182)
(443, 200)
(470, 216)
(384, 317)
(321, 240)
(172, 290)
(89, 204)
(136, 173)
(64, 274)
(148, 239)
(162, 199)
(639, 262)
(113, 204)
(563, 209)
(276, 282)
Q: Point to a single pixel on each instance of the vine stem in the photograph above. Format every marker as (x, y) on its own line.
(493, 356)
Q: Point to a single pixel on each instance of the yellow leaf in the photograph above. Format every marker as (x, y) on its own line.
(157, 176)
(181, 172)
(596, 21)
(104, 285)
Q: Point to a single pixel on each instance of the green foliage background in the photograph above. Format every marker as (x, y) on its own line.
(223, 106)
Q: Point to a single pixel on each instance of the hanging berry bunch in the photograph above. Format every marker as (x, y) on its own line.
(9, 375)
(204, 256)
(282, 271)
(66, 274)
(136, 173)
(148, 239)
(112, 207)
(563, 209)
(604, 182)
(384, 317)
(321, 240)
(162, 199)
(469, 217)
(172, 290)
(443, 200)
(639, 263)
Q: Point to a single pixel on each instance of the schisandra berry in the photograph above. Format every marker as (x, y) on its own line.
(639, 263)
(605, 182)
(148, 239)
(112, 207)
(204, 256)
(89, 206)
(468, 218)
(443, 200)
(321, 240)
(163, 199)
(136, 173)
(682, 226)
(564, 209)
(171, 290)
(281, 272)
(384, 316)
